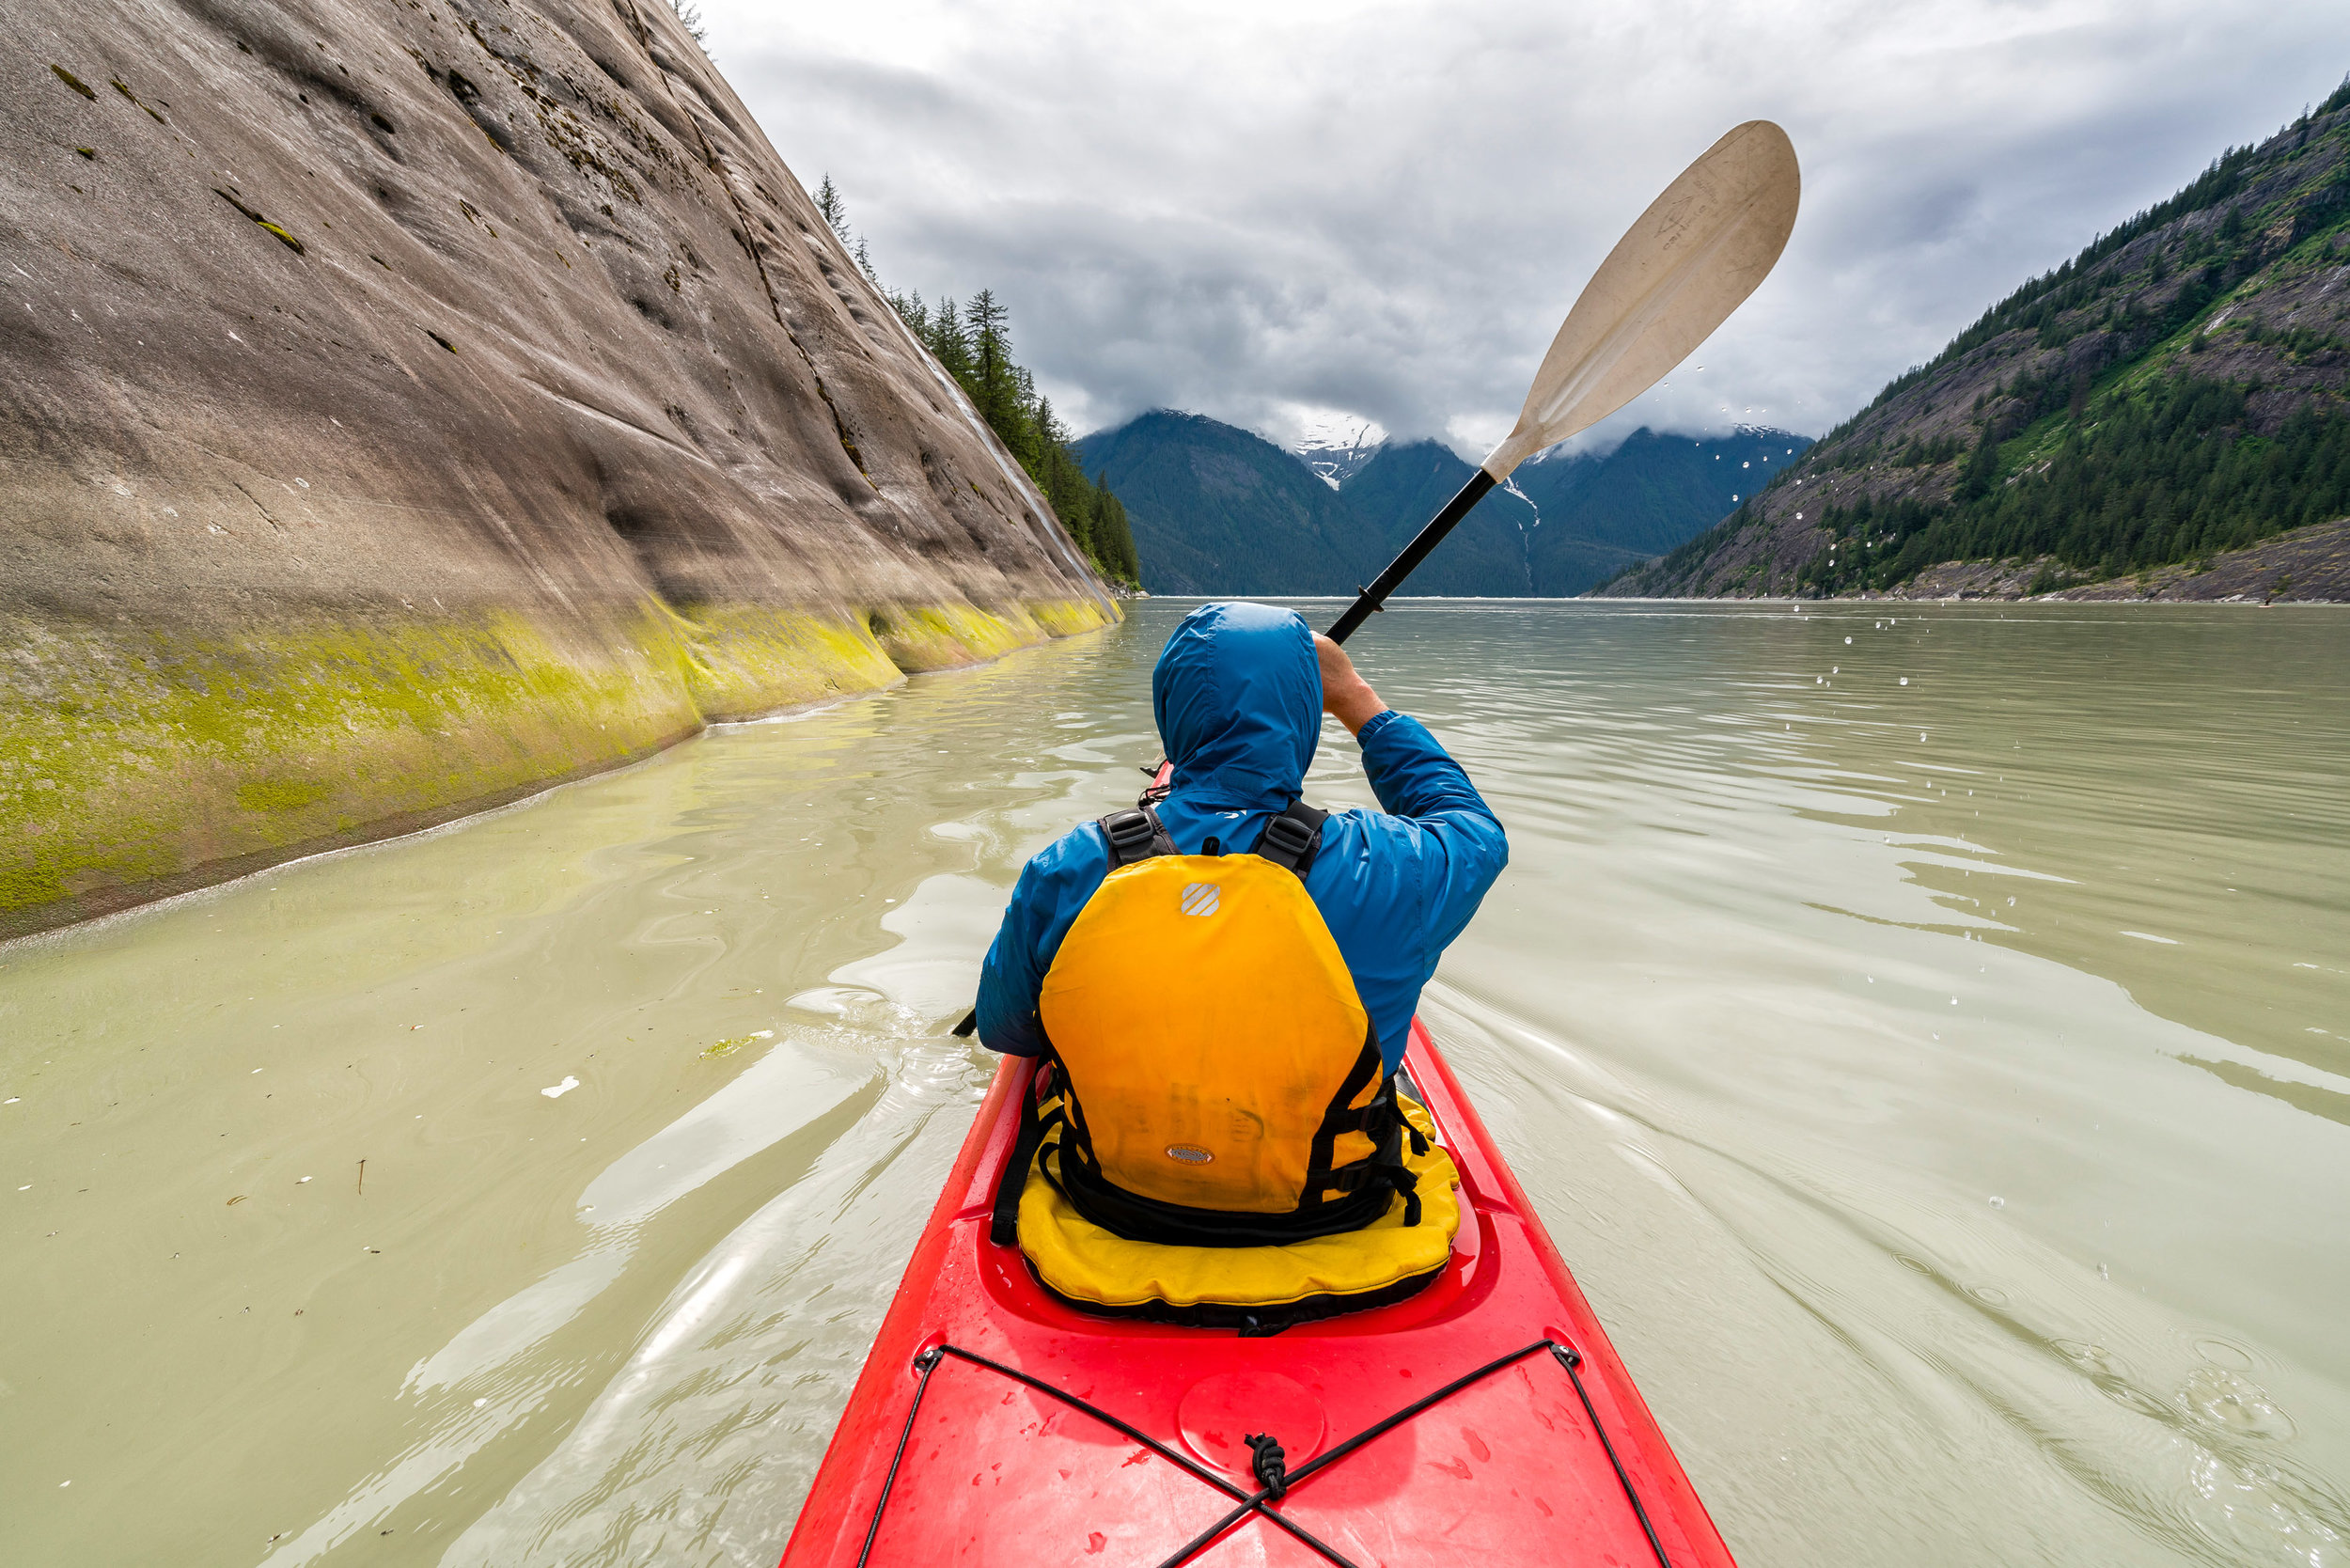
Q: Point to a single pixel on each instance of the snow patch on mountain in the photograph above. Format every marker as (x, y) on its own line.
(1334, 443)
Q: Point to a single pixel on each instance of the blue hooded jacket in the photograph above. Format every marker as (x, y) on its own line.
(1238, 697)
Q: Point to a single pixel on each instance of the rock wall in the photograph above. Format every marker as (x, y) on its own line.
(409, 404)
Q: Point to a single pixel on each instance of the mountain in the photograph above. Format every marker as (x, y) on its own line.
(1403, 486)
(1642, 496)
(1567, 520)
(1335, 449)
(2174, 392)
(1216, 510)
(408, 407)
(1651, 492)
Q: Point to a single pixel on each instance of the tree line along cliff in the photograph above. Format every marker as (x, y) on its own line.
(409, 405)
(2173, 393)
(972, 342)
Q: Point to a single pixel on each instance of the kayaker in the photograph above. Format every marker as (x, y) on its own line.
(1231, 1042)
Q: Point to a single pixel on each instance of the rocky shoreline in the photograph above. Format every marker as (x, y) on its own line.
(2307, 566)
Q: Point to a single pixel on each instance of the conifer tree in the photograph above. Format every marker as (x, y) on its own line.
(834, 212)
(1980, 464)
(991, 357)
(912, 311)
(947, 340)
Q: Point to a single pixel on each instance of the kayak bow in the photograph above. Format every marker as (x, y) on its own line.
(1484, 1420)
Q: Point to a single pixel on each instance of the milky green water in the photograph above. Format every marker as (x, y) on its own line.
(1942, 1091)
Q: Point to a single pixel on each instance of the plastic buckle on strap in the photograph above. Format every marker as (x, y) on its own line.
(1130, 836)
(1285, 841)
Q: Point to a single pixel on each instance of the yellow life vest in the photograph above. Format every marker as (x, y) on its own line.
(1218, 1081)
(1212, 1139)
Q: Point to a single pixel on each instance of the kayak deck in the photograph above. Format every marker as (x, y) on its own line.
(1485, 1420)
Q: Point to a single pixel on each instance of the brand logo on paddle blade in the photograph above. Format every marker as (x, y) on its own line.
(1190, 1154)
(1199, 898)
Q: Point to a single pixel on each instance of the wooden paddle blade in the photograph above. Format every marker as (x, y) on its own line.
(1678, 273)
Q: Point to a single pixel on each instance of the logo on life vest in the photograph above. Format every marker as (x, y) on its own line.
(1190, 1154)
(1199, 898)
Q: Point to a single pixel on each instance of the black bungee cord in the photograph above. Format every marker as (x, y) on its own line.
(1276, 1480)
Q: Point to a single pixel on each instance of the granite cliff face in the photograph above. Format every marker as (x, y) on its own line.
(410, 404)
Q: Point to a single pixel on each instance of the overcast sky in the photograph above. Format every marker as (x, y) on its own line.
(1276, 211)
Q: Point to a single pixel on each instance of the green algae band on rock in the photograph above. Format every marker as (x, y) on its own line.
(288, 571)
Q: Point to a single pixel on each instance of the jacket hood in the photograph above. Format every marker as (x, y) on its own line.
(1238, 698)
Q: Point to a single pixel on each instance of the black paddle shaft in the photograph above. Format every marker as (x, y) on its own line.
(1374, 597)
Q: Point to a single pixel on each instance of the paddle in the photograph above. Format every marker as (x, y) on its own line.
(1678, 273)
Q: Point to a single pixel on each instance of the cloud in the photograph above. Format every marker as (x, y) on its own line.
(1254, 210)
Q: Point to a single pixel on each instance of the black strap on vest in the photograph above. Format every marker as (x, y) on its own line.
(1362, 1191)
(1335, 1200)
(1004, 1224)
(1135, 836)
(1291, 840)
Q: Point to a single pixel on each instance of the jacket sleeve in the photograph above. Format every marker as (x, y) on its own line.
(1053, 888)
(1460, 846)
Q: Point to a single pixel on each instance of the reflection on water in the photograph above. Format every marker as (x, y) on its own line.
(1926, 1035)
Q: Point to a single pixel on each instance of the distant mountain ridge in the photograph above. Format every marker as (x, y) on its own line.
(1220, 509)
(2177, 391)
(1403, 486)
(1216, 510)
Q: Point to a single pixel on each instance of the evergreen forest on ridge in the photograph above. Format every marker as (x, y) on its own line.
(2174, 391)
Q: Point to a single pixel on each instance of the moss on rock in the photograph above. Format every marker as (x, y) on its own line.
(1066, 617)
(140, 761)
(740, 660)
(941, 636)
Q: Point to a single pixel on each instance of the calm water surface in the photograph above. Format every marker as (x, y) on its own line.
(1927, 1038)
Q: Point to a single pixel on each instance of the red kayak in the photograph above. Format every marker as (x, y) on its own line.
(1484, 1420)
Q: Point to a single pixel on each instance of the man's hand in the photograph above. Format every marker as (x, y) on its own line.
(1345, 696)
